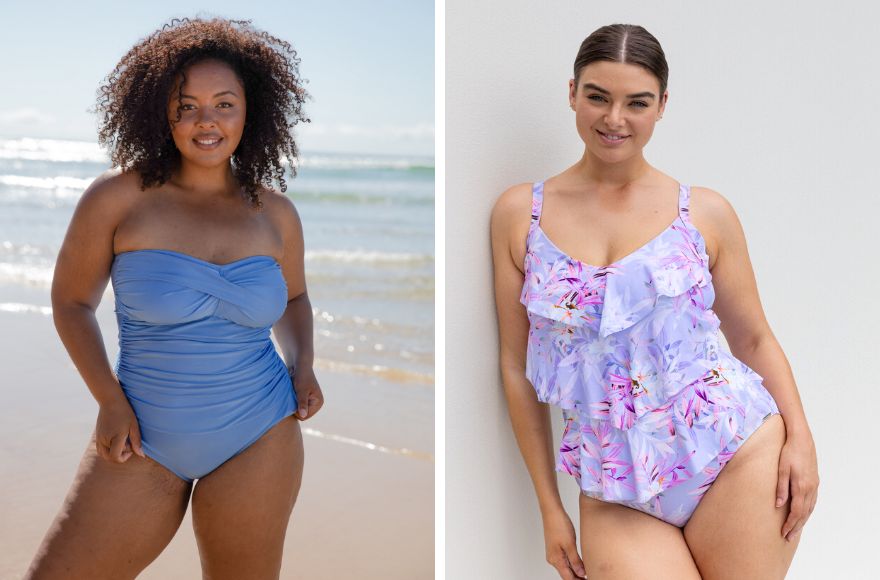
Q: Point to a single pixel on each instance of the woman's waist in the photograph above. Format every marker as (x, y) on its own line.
(671, 354)
(217, 364)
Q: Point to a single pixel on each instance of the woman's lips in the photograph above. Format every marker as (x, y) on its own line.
(611, 142)
(208, 147)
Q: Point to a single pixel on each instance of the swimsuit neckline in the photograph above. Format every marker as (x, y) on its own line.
(614, 263)
(200, 260)
(682, 206)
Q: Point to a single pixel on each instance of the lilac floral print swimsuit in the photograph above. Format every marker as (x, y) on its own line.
(654, 407)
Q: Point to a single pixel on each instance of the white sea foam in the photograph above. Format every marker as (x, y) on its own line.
(46, 189)
(340, 162)
(55, 150)
(26, 274)
(367, 445)
(367, 257)
(71, 151)
(19, 308)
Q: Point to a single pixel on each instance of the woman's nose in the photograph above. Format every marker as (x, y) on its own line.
(205, 117)
(614, 117)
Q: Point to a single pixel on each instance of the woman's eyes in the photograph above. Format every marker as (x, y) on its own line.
(640, 104)
(184, 107)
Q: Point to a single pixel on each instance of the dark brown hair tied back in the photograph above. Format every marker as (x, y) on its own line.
(627, 43)
(133, 101)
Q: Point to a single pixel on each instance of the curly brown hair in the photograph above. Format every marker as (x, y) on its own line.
(134, 100)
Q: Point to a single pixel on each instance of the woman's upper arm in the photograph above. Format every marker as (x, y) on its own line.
(737, 303)
(82, 268)
(509, 228)
(293, 256)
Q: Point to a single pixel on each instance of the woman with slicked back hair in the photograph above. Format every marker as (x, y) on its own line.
(613, 284)
(205, 259)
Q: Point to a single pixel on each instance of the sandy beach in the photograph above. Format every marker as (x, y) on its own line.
(366, 507)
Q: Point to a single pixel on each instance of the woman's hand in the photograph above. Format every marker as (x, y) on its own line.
(117, 425)
(798, 470)
(561, 543)
(308, 393)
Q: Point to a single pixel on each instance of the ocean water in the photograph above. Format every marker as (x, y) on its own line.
(369, 239)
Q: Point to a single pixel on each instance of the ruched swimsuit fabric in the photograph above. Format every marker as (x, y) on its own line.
(196, 361)
(631, 353)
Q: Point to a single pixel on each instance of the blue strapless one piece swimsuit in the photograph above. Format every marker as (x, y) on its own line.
(195, 358)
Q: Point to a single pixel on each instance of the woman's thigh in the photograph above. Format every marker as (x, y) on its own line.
(242, 508)
(736, 530)
(115, 520)
(618, 542)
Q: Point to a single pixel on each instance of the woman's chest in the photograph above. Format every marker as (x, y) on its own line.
(214, 234)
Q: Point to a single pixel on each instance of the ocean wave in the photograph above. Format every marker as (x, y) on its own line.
(72, 151)
(392, 374)
(54, 150)
(344, 162)
(19, 308)
(60, 187)
(367, 257)
(26, 275)
(47, 191)
(405, 451)
(359, 198)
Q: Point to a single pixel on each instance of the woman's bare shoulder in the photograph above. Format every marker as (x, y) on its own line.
(282, 213)
(111, 193)
(513, 206)
(711, 207)
(279, 206)
(714, 216)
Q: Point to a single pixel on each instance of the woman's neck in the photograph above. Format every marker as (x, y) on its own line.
(618, 175)
(206, 182)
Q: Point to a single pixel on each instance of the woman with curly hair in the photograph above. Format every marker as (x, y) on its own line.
(205, 259)
(612, 282)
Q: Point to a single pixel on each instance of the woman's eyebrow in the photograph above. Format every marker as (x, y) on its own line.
(215, 96)
(648, 94)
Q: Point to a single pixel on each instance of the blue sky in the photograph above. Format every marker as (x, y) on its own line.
(370, 65)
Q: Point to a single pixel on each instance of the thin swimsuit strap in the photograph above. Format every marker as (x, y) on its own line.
(684, 196)
(537, 204)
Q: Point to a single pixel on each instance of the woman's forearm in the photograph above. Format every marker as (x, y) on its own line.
(78, 329)
(534, 436)
(295, 334)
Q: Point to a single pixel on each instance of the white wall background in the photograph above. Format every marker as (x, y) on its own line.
(775, 105)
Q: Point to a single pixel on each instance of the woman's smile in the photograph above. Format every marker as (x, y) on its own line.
(208, 144)
(611, 139)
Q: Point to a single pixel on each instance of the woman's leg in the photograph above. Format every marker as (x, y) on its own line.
(735, 532)
(115, 520)
(241, 509)
(618, 542)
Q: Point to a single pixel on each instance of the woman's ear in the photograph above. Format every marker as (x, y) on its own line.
(663, 101)
(572, 89)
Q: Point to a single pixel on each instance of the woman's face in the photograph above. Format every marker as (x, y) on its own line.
(212, 107)
(618, 100)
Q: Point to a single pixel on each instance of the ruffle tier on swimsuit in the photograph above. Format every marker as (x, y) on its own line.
(630, 352)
